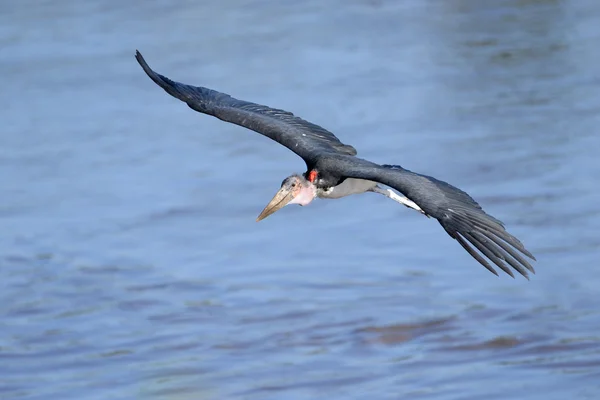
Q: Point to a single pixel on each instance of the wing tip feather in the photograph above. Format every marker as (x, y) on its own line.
(489, 239)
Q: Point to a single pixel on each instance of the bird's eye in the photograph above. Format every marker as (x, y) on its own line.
(294, 184)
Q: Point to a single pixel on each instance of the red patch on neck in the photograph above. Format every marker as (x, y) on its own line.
(312, 176)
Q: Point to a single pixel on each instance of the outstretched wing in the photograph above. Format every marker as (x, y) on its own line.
(305, 139)
(460, 216)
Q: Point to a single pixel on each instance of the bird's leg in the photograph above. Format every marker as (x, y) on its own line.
(396, 197)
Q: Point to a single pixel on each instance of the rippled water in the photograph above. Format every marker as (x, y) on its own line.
(130, 262)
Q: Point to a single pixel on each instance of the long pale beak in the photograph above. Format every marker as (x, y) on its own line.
(281, 198)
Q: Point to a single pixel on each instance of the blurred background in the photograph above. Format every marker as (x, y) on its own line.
(131, 265)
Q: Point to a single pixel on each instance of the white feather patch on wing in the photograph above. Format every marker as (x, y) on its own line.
(396, 197)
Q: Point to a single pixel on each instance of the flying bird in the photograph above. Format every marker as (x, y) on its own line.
(333, 171)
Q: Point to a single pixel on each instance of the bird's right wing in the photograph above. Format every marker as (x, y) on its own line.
(302, 137)
(460, 216)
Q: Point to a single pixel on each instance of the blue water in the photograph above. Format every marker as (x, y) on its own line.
(130, 262)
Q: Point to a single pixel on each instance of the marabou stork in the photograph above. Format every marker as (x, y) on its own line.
(334, 171)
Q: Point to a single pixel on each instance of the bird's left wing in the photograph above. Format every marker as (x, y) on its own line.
(460, 216)
(304, 138)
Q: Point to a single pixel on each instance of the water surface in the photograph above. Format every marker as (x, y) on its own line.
(130, 262)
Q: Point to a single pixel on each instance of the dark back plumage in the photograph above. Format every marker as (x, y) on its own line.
(306, 139)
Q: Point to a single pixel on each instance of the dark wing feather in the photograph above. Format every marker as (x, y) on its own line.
(302, 137)
(460, 216)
